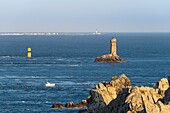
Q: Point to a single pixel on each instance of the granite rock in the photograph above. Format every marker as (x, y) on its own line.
(118, 96)
(105, 92)
(162, 85)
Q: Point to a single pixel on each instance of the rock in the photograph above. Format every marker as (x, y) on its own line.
(83, 111)
(117, 105)
(162, 85)
(167, 96)
(83, 103)
(109, 58)
(117, 96)
(140, 99)
(57, 106)
(105, 92)
(70, 105)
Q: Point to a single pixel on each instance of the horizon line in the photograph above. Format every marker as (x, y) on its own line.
(84, 32)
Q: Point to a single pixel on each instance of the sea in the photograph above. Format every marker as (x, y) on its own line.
(68, 61)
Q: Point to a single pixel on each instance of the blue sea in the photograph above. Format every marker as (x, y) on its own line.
(68, 61)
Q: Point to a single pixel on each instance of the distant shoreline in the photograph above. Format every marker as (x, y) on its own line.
(65, 33)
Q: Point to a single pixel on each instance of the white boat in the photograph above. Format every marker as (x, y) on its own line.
(49, 84)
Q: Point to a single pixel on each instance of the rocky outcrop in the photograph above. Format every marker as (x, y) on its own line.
(105, 92)
(70, 105)
(110, 58)
(162, 85)
(140, 99)
(118, 96)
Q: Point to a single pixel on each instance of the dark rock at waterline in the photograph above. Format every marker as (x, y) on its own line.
(70, 105)
(109, 58)
(83, 111)
(57, 106)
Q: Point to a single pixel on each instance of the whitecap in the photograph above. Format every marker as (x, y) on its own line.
(4, 56)
(75, 65)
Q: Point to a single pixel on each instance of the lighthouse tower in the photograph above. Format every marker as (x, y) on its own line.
(113, 47)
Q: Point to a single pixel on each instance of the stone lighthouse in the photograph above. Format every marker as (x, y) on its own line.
(112, 57)
(113, 47)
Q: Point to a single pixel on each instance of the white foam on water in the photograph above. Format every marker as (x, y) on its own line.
(4, 57)
(75, 65)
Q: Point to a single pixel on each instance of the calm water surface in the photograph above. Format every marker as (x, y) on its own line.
(68, 61)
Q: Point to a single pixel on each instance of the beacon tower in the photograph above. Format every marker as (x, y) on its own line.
(113, 47)
(29, 53)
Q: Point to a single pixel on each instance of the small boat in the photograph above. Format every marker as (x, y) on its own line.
(49, 84)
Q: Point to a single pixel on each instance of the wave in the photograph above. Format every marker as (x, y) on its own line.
(43, 63)
(6, 57)
(76, 83)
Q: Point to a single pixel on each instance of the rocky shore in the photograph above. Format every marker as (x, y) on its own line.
(118, 96)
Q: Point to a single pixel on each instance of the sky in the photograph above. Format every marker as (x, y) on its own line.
(84, 15)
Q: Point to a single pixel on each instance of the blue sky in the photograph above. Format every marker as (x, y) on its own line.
(85, 15)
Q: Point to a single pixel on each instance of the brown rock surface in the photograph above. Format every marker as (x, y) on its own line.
(57, 106)
(105, 92)
(139, 100)
(162, 85)
(70, 105)
(117, 96)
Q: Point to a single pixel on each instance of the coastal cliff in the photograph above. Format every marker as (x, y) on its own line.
(112, 57)
(118, 96)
